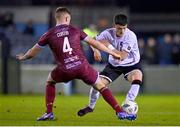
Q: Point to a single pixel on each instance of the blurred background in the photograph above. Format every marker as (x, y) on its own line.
(156, 24)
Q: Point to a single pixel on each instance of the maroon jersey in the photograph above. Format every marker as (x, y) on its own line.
(64, 41)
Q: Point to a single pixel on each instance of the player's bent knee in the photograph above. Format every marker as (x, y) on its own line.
(52, 83)
(105, 81)
(135, 75)
(99, 86)
(138, 72)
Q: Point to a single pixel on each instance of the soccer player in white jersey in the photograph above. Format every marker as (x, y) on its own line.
(124, 40)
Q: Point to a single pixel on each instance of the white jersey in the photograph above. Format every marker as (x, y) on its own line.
(128, 43)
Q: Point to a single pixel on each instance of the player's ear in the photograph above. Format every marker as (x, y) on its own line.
(113, 25)
(66, 19)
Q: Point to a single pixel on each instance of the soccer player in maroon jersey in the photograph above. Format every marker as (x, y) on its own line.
(64, 41)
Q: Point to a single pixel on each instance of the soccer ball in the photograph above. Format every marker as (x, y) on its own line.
(130, 107)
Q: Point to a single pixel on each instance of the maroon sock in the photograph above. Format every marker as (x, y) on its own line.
(109, 98)
(50, 95)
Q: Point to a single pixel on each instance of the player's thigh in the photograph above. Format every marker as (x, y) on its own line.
(109, 74)
(135, 74)
(88, 74)
(91, 76)
(58, 75)
(49, 78)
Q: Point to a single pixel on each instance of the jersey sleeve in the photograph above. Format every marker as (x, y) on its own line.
(83, 35)
(43, 40)
(129, 43)
(103, 36)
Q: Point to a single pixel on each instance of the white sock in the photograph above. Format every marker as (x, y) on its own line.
(93, 96)
(133, 92)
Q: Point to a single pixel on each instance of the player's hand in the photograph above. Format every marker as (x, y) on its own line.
(97, 55)
(117, 54)
(116, 51)
(20, 56)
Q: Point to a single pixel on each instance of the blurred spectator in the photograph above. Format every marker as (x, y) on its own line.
(91, 30)
(176, 49)
(6, 48)
(51, 21)
(29, 29)
(8, 20)
(151, 51)
(141, 43)
(165, 50)
(103, 23)
(1, 19)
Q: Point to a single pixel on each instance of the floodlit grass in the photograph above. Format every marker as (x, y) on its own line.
(22, 110)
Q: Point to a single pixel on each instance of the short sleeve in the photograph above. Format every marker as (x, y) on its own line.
(103, 36)
(83, 35)
(43, 40)
(129, 43)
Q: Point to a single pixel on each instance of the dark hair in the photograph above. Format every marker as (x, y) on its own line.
(120, 19)
(62, 10)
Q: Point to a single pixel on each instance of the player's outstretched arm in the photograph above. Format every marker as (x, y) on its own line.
(123, 54)
(30, 53)
(97, 54)
(96, 44)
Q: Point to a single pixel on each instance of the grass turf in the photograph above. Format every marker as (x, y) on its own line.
(22, 110)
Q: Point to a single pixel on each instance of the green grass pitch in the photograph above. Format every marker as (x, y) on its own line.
(22, 110)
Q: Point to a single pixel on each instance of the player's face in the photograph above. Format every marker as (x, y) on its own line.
(120, 29)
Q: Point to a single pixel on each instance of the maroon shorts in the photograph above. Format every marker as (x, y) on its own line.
(85, 72)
